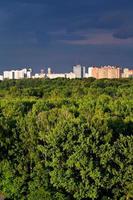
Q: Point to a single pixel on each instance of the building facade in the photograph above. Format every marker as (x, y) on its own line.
(79, 71)
(127, 73)
(17, 74)
(109, 72)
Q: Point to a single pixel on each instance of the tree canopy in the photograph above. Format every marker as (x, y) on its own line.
(66, 139)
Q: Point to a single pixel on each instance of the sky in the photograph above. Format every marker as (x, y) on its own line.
(62, 33)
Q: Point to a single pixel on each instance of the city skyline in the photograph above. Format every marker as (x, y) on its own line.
(78, 71)
(60, 34)
(56, 70)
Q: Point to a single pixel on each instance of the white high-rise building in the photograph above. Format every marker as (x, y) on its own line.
(6, 74)
(1, 77)
(78, 71)
(49, 71)
(28, 73)
(90, 71)
(11, 74)
(17, 74)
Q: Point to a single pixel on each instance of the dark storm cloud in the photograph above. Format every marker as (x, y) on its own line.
(74, 15)
(47, 25)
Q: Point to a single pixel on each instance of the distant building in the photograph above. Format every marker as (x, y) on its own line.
(86, 75)
(49, 71)
(42, 74)
(109, 72)
(53, 76)
(90, 70)
(79, 71)
(17, 74)
(127, 73)
(130, 73)
(1, 77)
(70, 75)
(36, 76)
(8, 74)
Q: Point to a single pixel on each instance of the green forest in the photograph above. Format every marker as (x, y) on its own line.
(66, 139)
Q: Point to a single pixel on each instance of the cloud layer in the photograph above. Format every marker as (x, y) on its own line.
(64, 25)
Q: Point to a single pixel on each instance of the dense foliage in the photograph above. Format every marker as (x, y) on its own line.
(66, 139)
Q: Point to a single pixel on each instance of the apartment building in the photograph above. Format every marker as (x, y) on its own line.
(17, 74)
(109, 72)
(127, 73)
